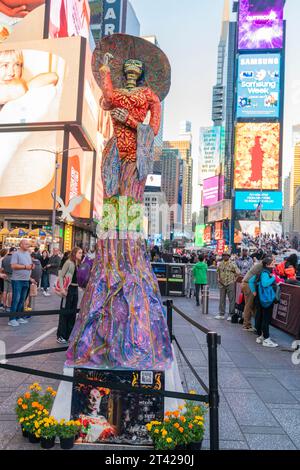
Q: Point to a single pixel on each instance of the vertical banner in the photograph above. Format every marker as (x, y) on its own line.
(112, 22)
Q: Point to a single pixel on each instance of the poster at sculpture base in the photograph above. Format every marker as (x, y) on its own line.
(115, 416)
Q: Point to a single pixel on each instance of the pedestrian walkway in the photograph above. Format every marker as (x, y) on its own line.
(259, 387)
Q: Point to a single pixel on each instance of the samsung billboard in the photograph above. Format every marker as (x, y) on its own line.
(260, 24)
(258, 86)
(249, 200)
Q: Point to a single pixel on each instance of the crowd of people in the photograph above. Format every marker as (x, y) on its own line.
(259, 279)
(25, 270)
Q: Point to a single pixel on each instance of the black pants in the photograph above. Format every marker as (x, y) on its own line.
(67, 320)
(263, 320)
(198, 287)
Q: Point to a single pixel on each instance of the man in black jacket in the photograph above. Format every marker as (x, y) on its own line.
(53, 267)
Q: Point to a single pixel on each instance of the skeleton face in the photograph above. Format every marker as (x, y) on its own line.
(133, 68)
(94, 400)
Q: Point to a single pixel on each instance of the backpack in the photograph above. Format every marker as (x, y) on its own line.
(267, 295)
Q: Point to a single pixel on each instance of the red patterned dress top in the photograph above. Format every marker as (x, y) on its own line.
(137, 102)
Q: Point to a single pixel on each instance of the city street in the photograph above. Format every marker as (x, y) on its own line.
(259, 387)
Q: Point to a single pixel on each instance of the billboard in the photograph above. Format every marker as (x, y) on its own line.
(199, 235)
(27, 175)
(153, 181)
(249, 200)
(258, 86)
(219, 211)
(39, 82)
(260, 24)
(112, 17)
(212, 190)
(79, 178)
(69, 18)
(257, 156)
(211, 151)
(251, 228)
(13, 12)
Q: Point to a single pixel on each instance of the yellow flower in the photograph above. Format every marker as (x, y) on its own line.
(164, 432)
(53, 394)
(78, 423)
(49, 389)
(62, 421)
(36, 425)
(46, 412)
(180, 407)
(182, 418)
(192, 392)
(21, 420)
(149, 426)
(46, 425)
(196, 408)
(198, 417)
(156, 431)
(169, 440)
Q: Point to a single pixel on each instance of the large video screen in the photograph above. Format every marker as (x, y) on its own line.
(39, 81)
(69, 18)
(79, 178)
(260, 24)
(249, 200)
(251, 228)
(258, 86)
(257, 156)
(13, 12)
(26, 171)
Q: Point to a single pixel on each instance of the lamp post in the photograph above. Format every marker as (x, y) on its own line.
(56, 154)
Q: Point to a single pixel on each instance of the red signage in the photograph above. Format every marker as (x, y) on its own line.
(220, 247)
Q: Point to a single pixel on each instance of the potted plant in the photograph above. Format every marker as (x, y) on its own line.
(30, 426)
(33, 402)
(67, 430)
(182, 429)
(46, 430)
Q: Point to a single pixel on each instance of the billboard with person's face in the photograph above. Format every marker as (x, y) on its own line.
(12, 12)
(257, 156)
(260, 24)
(69, 18)
(39, 82)
(258, 86)
(27, 172)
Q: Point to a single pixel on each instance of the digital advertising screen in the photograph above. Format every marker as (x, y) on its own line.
(211, 151)
(69, 18)
(199, 235)
(250, 227)
(258, 86)
(26, 171)
(213, 189)
(44, 85)
(14, 12)
(260, 24)
(257, 148)
(79, 178)
(249, 200)
(153, 181)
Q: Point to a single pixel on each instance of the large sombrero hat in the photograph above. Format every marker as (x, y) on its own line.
(124, 47)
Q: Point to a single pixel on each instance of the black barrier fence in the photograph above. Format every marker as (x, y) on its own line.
(213, 340)
(212, 394)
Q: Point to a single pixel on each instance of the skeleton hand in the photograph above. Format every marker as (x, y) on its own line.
(107, 57)
(119, 114)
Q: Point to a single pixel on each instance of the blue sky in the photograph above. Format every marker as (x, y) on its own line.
(188, 31)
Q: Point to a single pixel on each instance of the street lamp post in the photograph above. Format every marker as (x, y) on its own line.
(56, 154)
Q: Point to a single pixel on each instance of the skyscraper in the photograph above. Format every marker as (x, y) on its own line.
(170, 168)
(295, 173)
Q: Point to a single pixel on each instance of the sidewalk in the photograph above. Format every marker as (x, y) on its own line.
(259, 387)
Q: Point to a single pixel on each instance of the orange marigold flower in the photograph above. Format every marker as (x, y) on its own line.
(176, 425)
(182, 418)
(27, 395)
(166, 420)
(24, 407)
(176, 413)
(191, 426)
(20, 401)
(168, 413)
(181, 430)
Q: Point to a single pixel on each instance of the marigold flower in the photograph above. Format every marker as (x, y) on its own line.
(182, 418)
(24, 407)
(169, 440)
(176, 413)
(191, 426)
(164, 432)
(168, 413)
(27, 395)
(176, 425)
(181, 430)
(20, 401)
(198, 417)
(180, 407)
(148, 426)
(49, 389)
(21, 420)
(166, 420)
(156, 431)
(53, 393)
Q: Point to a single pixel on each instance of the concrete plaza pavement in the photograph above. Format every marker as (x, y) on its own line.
(259, 387)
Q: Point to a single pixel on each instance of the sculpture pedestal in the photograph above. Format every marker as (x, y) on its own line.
(115, 417)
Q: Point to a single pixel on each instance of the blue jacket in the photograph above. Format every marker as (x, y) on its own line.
(265, 278)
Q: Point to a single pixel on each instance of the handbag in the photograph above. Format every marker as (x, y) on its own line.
(58, 288)
(84, 272)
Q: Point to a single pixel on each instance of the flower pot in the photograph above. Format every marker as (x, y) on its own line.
(195, 445)
(33, 439)
(24, 432)
(47, 443)
(67, 442)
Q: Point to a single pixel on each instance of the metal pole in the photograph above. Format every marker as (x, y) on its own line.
(54, 198)
(169, 305)
(212, 342)
(205, 299)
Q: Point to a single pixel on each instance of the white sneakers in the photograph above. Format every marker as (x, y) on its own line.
(228, 318)
(220, 317)
(268, 343)
(46, 294)
(22, 320)
(13, 323)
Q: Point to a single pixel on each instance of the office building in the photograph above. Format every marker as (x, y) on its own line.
(170, 178)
